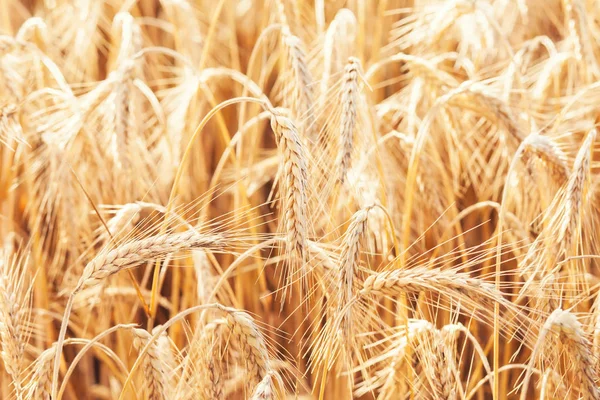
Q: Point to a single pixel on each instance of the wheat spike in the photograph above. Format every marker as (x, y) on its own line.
(136, 252)
(414, 280)
(575, 190)
(570, 334)
(155, 375)
(252, 341)
(350, 256)
(348, 118)
(300, 89)
(40, 381)
(546, 150)
(294, 183)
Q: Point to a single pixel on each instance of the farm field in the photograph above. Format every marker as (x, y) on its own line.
(292, 199)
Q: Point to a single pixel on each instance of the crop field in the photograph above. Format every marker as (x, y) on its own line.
(293, 199)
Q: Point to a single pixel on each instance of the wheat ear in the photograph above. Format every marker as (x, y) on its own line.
(294, 182)
(155, 377)
(570, 333)
(348, 118)
(11, 332)
(212, 379)
(136, 252)
(122, 113)
(40, 382)
(253, 344)
(444, 381)
(546, 150)
(576, 186)
(124, 220)
(129, 255)
(254, 348)
(266, 389)
(350, 256)
(301, 87)
(444, 282)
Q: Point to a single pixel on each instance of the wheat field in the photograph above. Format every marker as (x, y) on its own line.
(292, 199)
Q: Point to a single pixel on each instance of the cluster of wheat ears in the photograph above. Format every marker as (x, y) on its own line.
(286, 199)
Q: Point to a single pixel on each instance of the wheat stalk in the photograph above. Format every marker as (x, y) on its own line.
(123, 221)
